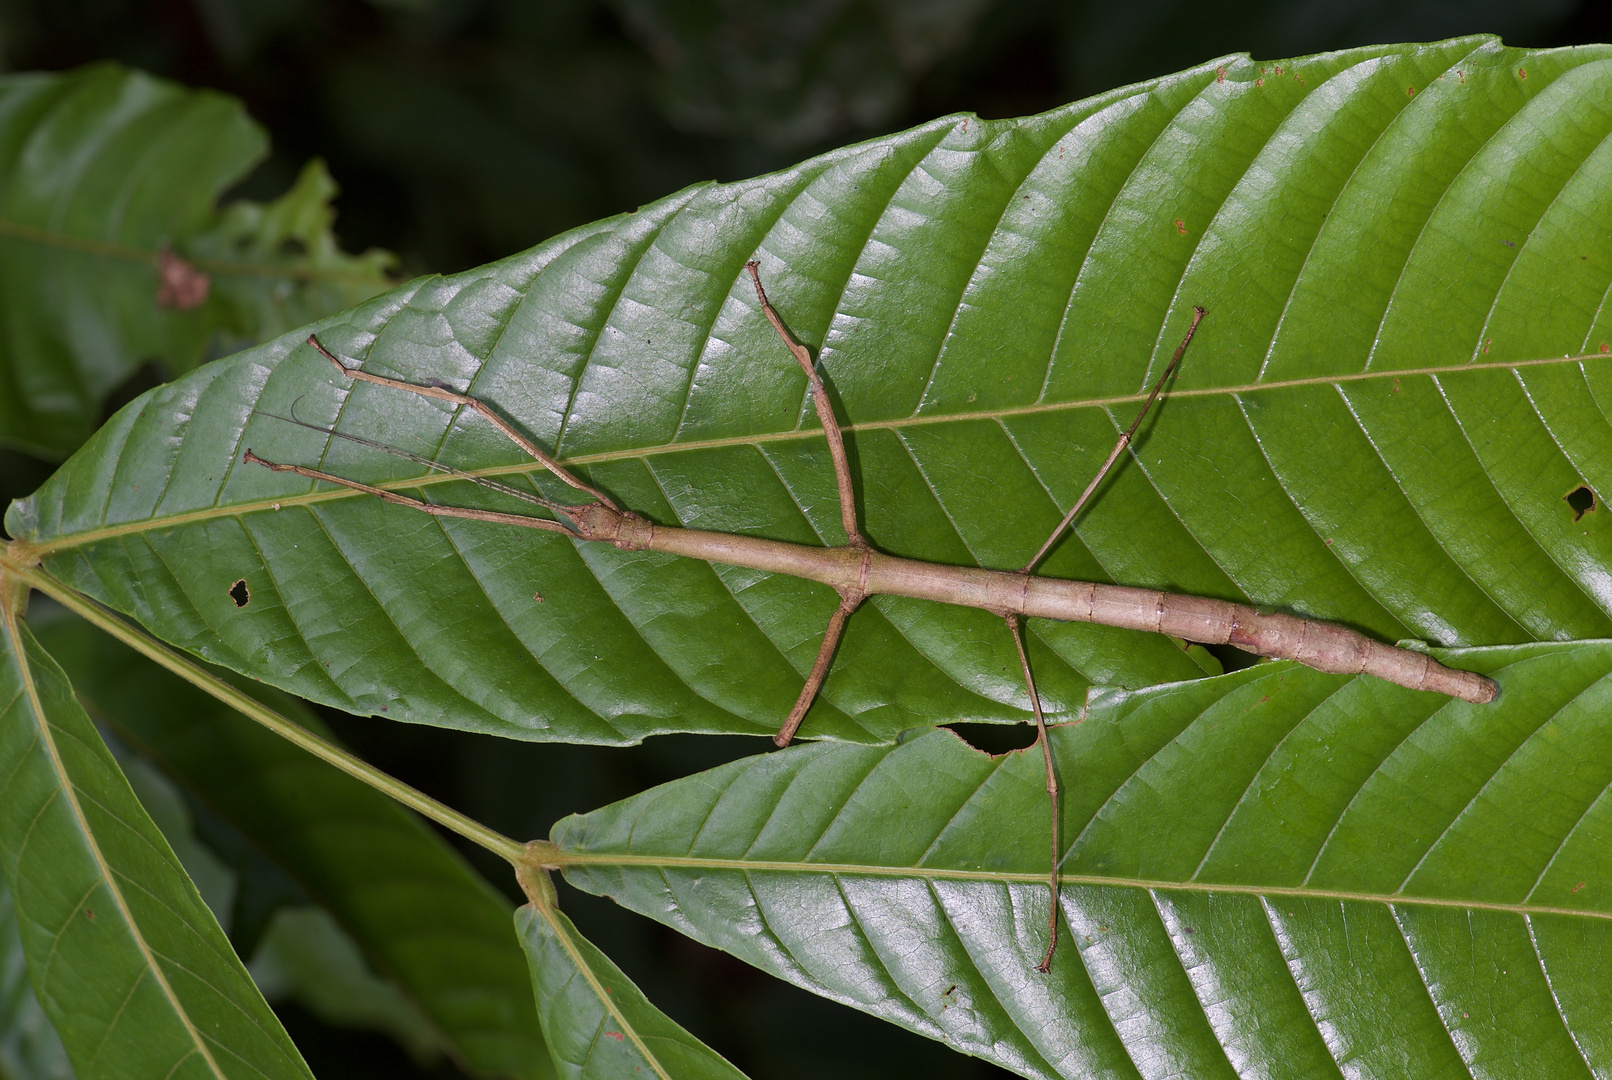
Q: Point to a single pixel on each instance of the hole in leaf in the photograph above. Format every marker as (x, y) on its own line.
(238, 593)
(1581, 500)
(995, 739)
(1232, 658)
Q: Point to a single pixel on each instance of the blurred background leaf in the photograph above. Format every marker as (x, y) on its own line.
(112, 252)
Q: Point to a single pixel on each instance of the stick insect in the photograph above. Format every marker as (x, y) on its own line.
(856, 570)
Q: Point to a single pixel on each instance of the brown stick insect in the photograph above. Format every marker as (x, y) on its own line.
(856, 570)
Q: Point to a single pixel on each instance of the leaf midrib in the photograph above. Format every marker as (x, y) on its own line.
(17, 230)
(546, 912)
(567, 860)
(67, 541)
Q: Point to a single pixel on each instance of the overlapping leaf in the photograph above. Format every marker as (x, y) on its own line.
(130, 966)
(1271, 873)
(112, 251)
(599, 1024)
(987, 297)
(420, 915)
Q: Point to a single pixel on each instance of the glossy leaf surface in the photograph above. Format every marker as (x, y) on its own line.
(105, 170)
(1271, 873)
(1372, 231)
(129, 964)
(421, 916)
(600, 1025)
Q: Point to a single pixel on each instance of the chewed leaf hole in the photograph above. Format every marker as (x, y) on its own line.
(239, 593)
(995, 739)
(1581, 500)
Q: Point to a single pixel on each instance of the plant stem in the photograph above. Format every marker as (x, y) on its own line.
(250, 707)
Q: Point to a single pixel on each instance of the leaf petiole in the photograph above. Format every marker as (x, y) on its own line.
(509, 850)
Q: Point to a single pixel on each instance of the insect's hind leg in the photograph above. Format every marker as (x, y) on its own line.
(1052, 787)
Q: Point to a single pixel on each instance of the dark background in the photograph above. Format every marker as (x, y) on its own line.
(465, 130)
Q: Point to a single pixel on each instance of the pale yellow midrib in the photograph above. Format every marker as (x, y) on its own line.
(604, 996)
(565, 860)
(110, 532)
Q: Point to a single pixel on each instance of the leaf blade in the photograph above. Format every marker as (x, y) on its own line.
(422, 917)
(598, 1023)
(986, 340)
(163, 990)
(1270, 867)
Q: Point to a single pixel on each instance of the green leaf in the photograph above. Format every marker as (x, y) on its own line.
(598, 1023)
(129, 964)
(29, 1046)
(421, 916)
(306, 955)
(102, 171)
(1382, 236)
(1272, 873)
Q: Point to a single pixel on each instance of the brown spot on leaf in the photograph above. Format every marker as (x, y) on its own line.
(180, 286)
(1220, 74)
(1410, 91)
(1522, 73)
(1259, 82)
(1486, 343)
(90, 915)
(616, 1035)
(1605, 347)
(1180, 226)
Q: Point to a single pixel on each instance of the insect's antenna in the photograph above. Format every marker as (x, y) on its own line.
(1119, 447)
(419, 459)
